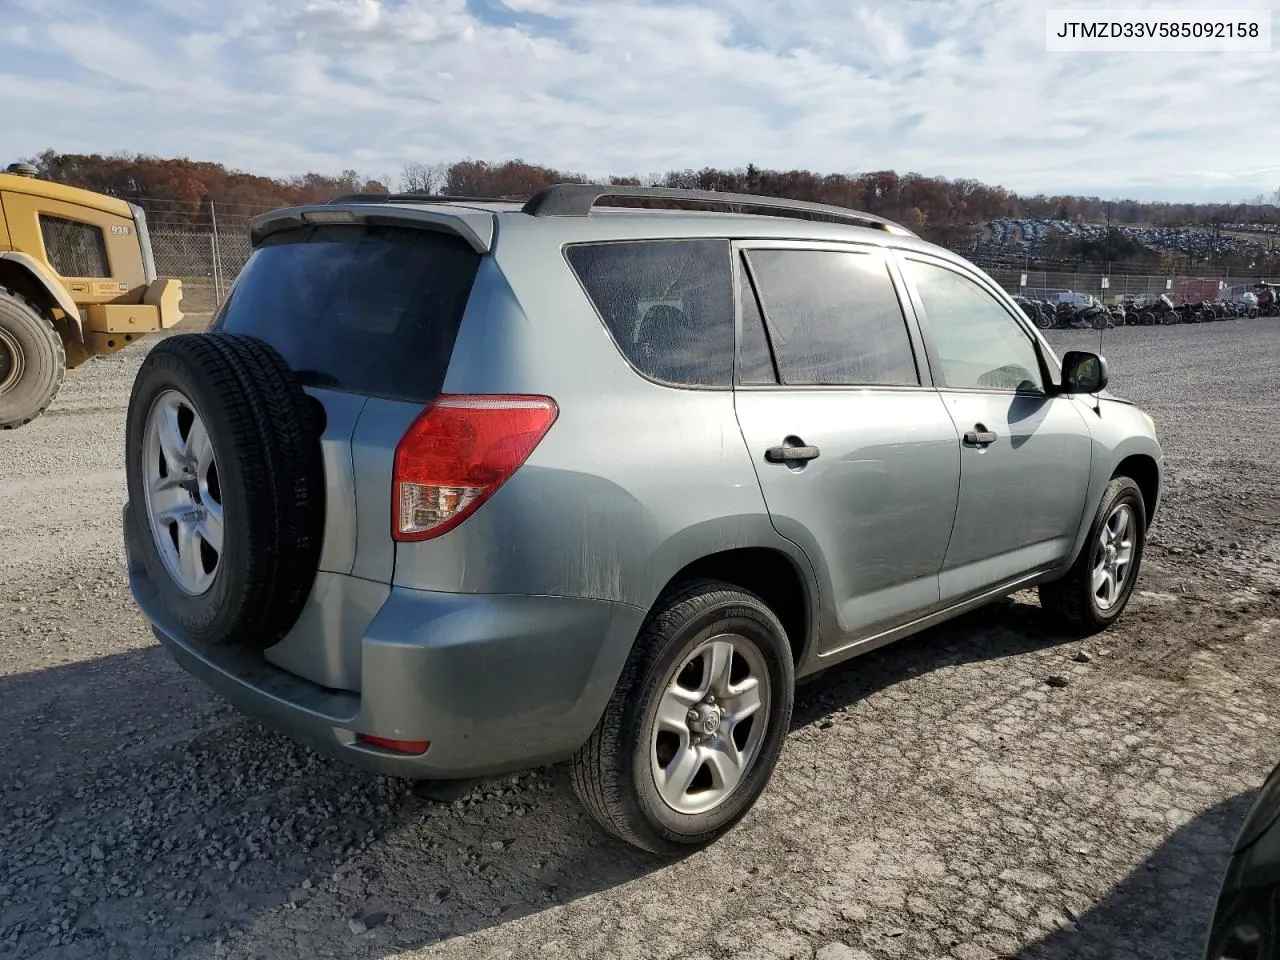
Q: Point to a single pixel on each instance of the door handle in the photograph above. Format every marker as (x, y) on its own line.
(790, 454)
(979, 436)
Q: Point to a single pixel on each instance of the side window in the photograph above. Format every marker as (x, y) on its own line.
(978, 344)
(834, 318)
(74, 249)
(755, 366)
(667, 303)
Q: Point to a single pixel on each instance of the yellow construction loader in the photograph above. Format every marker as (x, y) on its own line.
(77, 280)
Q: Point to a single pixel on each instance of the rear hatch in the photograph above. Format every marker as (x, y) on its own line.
(366, 315)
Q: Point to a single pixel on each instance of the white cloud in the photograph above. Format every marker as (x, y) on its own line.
(961, 88)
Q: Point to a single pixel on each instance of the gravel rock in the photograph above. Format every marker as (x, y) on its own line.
(840, 951)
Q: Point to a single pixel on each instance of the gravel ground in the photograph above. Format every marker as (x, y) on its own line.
(936, 798)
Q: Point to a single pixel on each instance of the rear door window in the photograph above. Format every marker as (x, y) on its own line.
(668, 305)
(834, 318)
(367, 309)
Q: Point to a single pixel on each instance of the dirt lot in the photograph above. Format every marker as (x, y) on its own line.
(936, 798)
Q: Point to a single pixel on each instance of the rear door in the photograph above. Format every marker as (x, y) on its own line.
(856, 455)
(366, 317)
(1025, 453)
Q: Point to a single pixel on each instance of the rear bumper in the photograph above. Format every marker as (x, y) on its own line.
(494, 682)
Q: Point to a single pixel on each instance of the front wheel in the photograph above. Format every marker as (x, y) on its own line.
(690, 738)
(1096, 589)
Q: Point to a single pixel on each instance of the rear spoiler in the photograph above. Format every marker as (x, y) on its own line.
(474, 226)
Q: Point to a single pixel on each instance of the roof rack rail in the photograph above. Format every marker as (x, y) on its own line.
(419, 198)
(578, 199)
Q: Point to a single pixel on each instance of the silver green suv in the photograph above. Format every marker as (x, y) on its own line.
(454, 487)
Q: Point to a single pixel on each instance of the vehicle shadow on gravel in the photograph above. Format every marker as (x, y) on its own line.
(1162, 909)
(147, 818)
(169, 825)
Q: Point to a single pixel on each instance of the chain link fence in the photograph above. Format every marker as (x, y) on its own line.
(206, 263)
(1043, 285)
(208, 257)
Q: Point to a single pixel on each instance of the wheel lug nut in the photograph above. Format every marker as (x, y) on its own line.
(692, 715)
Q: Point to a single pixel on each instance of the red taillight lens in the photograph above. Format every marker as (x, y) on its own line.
(457, 453)
(411, 747)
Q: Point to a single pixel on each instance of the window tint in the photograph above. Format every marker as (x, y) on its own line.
(368, 309)
(755, 366)
(978, 343)
(668, 305)
(834, 318)
(74, 249)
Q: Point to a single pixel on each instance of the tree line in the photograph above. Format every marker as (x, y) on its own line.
(180, 190)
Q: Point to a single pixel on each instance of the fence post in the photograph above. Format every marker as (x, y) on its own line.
(216, 247)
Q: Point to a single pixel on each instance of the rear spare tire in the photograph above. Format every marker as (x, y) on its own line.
(226, 488)
(32, 361)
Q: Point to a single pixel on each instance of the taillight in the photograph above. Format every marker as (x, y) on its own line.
(457, 453)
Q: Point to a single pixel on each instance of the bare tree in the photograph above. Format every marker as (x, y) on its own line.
(424, 177)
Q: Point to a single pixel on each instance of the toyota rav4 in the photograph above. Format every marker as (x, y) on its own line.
(454, 487)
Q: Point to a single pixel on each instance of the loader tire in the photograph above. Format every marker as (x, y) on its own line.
(32, 361)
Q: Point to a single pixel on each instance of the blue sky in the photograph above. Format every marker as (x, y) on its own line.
(957, 88)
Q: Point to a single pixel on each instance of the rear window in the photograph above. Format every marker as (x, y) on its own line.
(667, 303)
(367, 309)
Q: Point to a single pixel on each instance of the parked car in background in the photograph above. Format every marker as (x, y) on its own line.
(456, 487)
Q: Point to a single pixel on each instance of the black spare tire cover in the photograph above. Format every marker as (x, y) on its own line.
(259, 471)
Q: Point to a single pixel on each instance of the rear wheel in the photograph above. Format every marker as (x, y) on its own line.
(32, 361)
(1096, 589)
(693, 731)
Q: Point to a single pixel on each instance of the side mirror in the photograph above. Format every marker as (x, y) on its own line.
(1083, 372)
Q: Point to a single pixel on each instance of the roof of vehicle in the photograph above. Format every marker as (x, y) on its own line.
(573, 211)
(33, 186)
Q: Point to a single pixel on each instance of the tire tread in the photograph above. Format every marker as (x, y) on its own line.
(1068, 599)
(599, 768)
(58, 353)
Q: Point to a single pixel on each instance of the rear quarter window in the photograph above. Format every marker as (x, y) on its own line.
(668, 305)
(368, 309)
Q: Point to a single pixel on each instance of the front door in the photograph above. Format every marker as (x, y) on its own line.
(858, 460)
(1025, 453)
